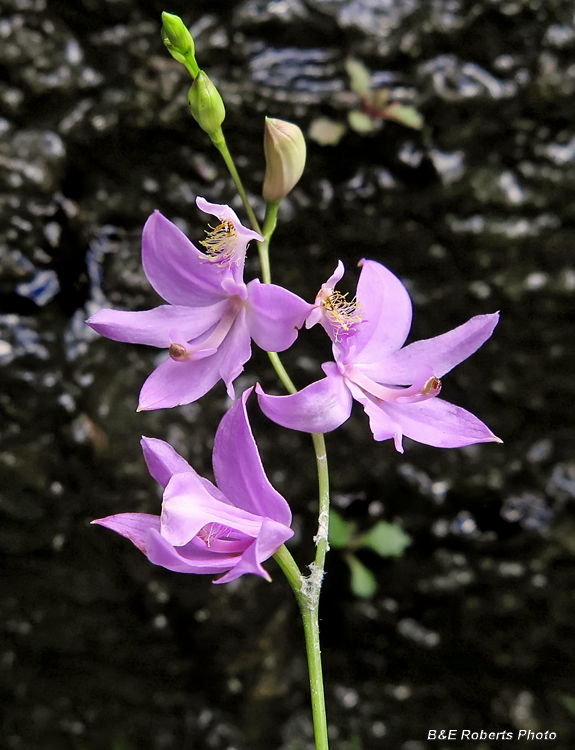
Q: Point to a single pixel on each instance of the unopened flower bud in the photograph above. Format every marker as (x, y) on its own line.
(206, 104)
(285, 151)
(179, 42)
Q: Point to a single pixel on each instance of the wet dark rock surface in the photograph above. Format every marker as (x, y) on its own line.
(473, 628)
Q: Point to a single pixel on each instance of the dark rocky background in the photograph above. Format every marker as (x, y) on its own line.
(474, 627)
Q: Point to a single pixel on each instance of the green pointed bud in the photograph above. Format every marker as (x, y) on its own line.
(285, 152)
(206, 105)
(179, 42)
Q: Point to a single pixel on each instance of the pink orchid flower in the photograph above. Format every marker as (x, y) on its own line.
(233, 527)
(397, 386)
(212, 315)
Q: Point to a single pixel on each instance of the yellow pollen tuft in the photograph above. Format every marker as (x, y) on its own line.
(433, 386)
(219, 243)
(341, 313)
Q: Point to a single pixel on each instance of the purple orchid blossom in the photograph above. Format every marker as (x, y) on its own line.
(233, 527)
(397, 387)
(212, 314)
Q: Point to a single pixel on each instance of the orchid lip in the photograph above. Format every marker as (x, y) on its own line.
(342, 314)
(221, 245)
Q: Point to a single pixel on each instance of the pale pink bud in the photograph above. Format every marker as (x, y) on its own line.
(285, 151)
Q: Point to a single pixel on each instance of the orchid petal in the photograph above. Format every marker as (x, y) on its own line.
(234, 352)
(247, 563)
(382, 425)
(238, 468)
(163, 462)
(176, 383)
(176, 269)
(189, 559)
(271, 537)
(441, 353)
(336, 276)
(152, 327)
(226, 213)
(441, 424)
(236, 246)
(321, 407)
(385, 308)
(144, 531)
(274, 316)
(188, 507)
(134, 526)
(269, 540)
(317, 314)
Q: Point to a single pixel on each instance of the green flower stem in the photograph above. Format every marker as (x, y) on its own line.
(308, 604)
(307, 591)
(290, 569)
(282, 372)
(191, 66)
(219, 142)
(270, 221)
(322, 537)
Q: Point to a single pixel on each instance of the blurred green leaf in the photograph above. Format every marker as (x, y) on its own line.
(340, 531)
(326, 132)
(387, 539)
(380, 98)
(359, 77)
(405, 114)
(363, 583)
(360, 122)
